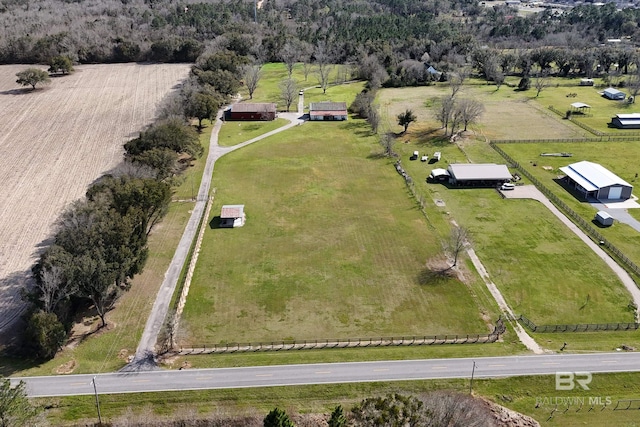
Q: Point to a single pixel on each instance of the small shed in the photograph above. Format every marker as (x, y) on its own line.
(603, 218)
(586, 82)
(232, 216)
(615, 94)
(320, 111)
(580, 108)
(252, 111)
(626, 121)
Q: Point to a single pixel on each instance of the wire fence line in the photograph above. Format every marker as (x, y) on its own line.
(582, 327)
(577, 219)
(287, 345)
(628, 136)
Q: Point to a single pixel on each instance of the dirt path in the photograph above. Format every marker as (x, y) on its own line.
(146, 351)
(531, 192)
(56, 141)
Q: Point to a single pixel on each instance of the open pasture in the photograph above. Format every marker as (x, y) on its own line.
(54, 142)
(618, 157)
(544, 271)
(508, 114)
(333, 247)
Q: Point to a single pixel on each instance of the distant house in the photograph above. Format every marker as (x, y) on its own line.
(626, 121)
(328, 111)
(586, 82)
(478, 174)
(232, 216)
(593, 180)
(247, 111)
(614, 94)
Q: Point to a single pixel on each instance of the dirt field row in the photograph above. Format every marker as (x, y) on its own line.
(54, 142)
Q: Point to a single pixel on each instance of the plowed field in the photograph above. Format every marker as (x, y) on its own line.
(54, 142)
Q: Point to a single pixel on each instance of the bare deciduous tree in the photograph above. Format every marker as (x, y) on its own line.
(633, 85)
(373, 118)
(468, 111)
(541, 82)
(252, 75)
(456, 243)
(53, 288)
(289, 55)
(288, 91)
(444, 113)
(324, 66)
(456, 80)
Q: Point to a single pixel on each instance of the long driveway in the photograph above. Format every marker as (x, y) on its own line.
(144, 358)
(331, 373)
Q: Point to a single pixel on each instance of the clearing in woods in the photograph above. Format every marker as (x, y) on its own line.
(54, 142)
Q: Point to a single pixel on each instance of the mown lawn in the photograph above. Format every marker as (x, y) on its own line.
(236, 132)
(333, 247)
(618, 157)
(273, 74)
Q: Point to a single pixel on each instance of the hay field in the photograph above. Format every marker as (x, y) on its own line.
(54, 142)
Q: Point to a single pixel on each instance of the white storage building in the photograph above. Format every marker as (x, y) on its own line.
(593, 180)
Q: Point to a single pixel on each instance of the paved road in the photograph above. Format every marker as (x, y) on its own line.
(329, 373)
(145, 353)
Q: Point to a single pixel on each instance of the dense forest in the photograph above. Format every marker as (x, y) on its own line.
(89, 31)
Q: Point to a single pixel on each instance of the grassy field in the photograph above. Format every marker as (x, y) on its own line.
(601, 111)
(236, 132)
(324, 192)
(273, 73)
(508, 114)
(614, 156)
(524, 394)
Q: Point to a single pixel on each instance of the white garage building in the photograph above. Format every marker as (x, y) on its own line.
(593, 180)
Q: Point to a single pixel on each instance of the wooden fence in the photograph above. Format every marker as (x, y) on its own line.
(582, 327)
(287, 345)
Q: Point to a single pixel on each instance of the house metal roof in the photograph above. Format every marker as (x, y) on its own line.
(580, 105)
(327, 106)
(631, 116)
(232, 211)
(592, 176)
(612, 91)
(477, 172)
(253, 108)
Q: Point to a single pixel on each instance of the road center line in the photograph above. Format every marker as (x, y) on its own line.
(264, 375)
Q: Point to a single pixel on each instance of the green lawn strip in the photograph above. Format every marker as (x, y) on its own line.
(332, 248)
(235, 132)
(615, 156)
(518, 393)
(584, 342)
(273, 74)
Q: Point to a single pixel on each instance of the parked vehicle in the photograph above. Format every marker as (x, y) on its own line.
(507, 186)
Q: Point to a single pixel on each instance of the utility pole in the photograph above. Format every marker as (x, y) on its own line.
(95, 390)
(473, 371)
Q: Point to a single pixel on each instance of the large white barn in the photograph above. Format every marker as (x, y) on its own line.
(593, 180)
